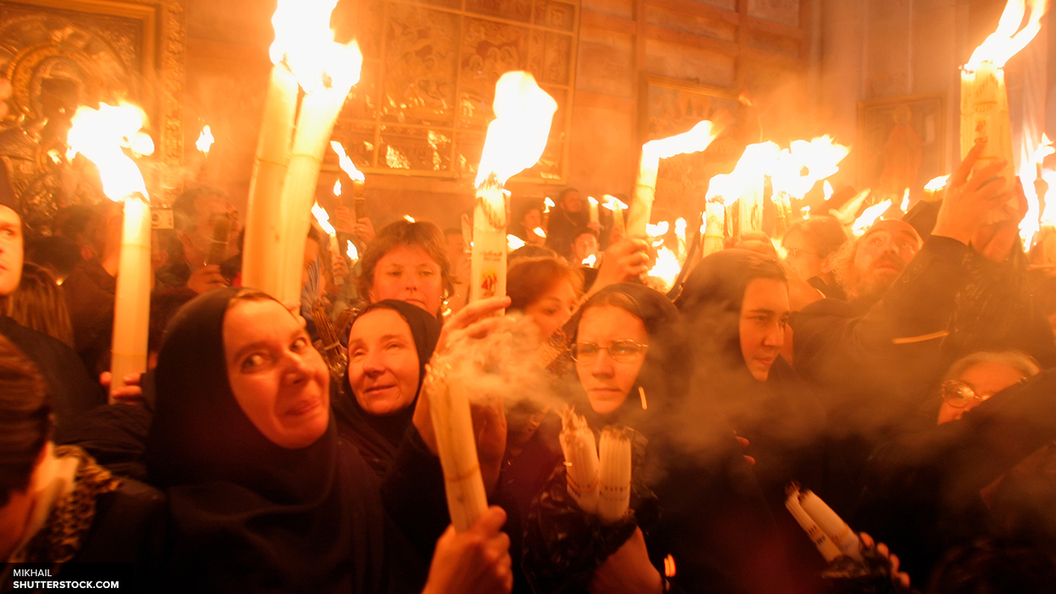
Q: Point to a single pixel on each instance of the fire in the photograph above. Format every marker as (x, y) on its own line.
(1008, 39)
(514, 243)
(101, 135)
(611, 202)
(351, 251)
(804, 164)
(408, 218)
(205, 140)
(517, 136)
(666, 268)
(658, 230)
(1044, 149)
(937, 184)
(337, 188)
(695, 140)
(827, 189)
(869, 216)
(305, 42)
(539, 231)
(905, 201)
(756, 161)
(346, 162)
(590, 260)
(548, 204)
(592, 200)
(323, 218)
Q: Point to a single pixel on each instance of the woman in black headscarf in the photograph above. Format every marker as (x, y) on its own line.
(263, 495)
(695, 504)
(389, 344)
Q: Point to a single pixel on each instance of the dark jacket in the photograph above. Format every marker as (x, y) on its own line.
(89, 293)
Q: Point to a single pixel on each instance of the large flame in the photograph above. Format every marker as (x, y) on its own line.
(611, 202)
(869, 216)
(937, 183)
(323, 218)
(205, 140)
(695, 140)
(1009, 37)
(517, 136)
(755, 163)
(305, 42)
(101, 135)
(666, 268)
(1044, 149)
(346, 162)
(805, 163)
(352, 252)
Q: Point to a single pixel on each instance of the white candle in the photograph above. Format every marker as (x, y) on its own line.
(614, 474)
(831, 524)
(488, 256)
(581, 460)
(595, 217)
(263, 247)
(132, 295)
(821, 540)
(644, 194)
(984, 116)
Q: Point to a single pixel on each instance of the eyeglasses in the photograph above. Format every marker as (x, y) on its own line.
(621, 351)
(959, 394)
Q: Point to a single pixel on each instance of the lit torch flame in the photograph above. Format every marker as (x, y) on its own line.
(1008, 39)
(827, 189)
(517, 136)
(514, 243)
(695, 140)
(305, 43)
(205, 141)
(346, 162)
(937, 184)
(323, 218)
(408, 218)
(590, 260)
(352, 252)
(905, 201)
(337, 188)
(101, 135)
(666, 268)
(548, 204)
(1044, 149)
(869, 216)
(658, 230)
(539, 231)
(610, 202)
(805, 163)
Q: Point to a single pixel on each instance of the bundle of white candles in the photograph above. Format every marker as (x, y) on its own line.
(614, 474)
(581, 460)
(828, 531)
(599, 478)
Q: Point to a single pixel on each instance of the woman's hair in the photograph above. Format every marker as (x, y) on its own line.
(824, 233)
(1021, 362)
(25, 419)
(422, 234)
(38, 304)
(528, 278)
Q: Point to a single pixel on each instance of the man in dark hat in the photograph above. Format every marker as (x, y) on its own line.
(73, 389)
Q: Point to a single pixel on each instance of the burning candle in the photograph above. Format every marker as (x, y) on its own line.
(595, 218)
(984, 97)
(514, 142)
(99, 135)
(547, 205)
(323, 218)
(355, 175)
(617, 207)
(695, 140)
(581, 460)
(868, 217)
(614, 474)
(933, 189)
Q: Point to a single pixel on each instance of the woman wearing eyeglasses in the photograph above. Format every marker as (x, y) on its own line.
(977, 377)
(697, 518)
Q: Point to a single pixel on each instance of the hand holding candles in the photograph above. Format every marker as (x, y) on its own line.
(829, 532)
(100, 135)
(581, 460)
(614, 474)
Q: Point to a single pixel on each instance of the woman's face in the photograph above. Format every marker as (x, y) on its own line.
(382, 362)
(608, 381)
(407, 273)
(278, 378)
(553, 308)
(985, 379)
(764, 315)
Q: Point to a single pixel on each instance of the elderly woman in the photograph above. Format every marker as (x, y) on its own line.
(407, 262)
(263, 495)
(388, 346)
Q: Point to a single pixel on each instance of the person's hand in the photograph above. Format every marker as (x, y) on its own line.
(476, 561)
(968, 201)
(489, 425)
(206, 279)
(338, 266)
(899, 577)
(364, 230)
(130, 393)
(624, 260)
(996, 241)
(627, 571)
(343, 221)
(744, 443)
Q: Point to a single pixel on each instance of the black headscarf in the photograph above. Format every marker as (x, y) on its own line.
(378, 436)
(248, 514)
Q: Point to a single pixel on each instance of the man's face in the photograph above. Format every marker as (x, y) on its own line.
(882, 255)
(572, 202)
(584, 246)
(10, 250)
(802, 257)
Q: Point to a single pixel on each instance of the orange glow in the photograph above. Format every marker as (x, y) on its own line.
(695, 140)
(804, 164)
(205, 140)
(408, 218)
(1009, 38)
(514, 243)
(658, 230)
(351, 251)
(337, 188)
(754, 164)
(869, 216)
(827, 189)
(611, 202)
(1044, 149)
(346, 162)
(305, 43)
(666, 268)
(1048, 216)
(539, 231)
(518, 134)
(937, 184)
(101, 136)
(323, 218)
(905, 201)
(592, 200)
(548, 204)
(669, 567)
(589, 261)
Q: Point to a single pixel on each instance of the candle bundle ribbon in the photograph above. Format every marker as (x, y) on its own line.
(828, 532)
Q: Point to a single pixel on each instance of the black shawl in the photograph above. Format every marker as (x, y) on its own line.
(246, 514)
(378, 437)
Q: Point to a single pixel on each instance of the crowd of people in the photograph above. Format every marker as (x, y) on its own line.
(901, 375)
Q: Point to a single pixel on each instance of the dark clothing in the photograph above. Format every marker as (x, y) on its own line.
(562, 228)
(378, 436)
(72, 389)
(246, 514)
(89, 293)
(174, 274)
(833, 291)
(115, 435)
(922, 486)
